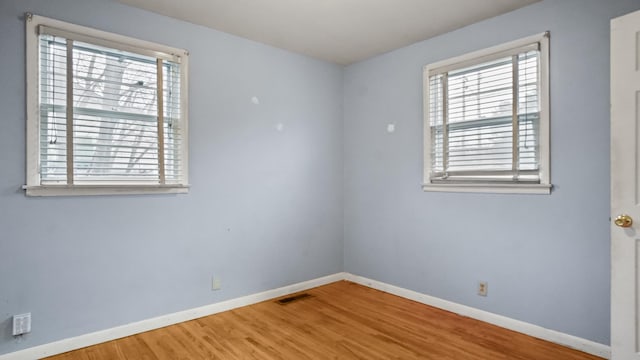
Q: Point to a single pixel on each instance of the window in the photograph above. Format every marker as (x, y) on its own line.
(106, 114)
(487, 120)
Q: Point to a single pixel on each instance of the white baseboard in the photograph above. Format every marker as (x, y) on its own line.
(61, 346)
(536, 331)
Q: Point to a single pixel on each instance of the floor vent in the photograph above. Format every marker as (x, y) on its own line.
(290, 299)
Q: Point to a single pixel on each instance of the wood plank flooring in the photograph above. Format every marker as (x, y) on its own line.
(342, 320)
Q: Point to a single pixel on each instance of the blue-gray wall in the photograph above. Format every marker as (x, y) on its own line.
(264, 210)
(546, 258)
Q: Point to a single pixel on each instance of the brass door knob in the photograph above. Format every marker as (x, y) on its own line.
(623, 220)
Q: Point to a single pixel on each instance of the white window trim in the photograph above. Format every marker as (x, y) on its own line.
(544, 187)
(33, 186)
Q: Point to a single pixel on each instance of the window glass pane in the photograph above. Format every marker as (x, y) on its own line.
(528, 146)
(53, 123)
(115, 115)
(484, 145)
(436, 119)
(528, 110)
(172, 132)
(473, 134)
(481, 92)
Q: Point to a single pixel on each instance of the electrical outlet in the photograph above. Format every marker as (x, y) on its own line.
(216, 283)
(21, 324)
(483, 288)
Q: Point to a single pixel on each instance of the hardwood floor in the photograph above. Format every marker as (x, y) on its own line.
(342, 320)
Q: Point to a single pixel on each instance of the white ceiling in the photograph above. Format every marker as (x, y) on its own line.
(340, 31)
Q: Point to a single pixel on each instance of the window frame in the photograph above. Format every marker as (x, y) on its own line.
(478, 57)
(33, 186)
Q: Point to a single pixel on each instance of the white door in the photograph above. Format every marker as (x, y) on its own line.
(625, 187)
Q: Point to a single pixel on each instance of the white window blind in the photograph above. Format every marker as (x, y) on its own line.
(108, 116)
(484, 118)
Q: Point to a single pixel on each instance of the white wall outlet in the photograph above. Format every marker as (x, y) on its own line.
(21, 324)
(483, 288)
(216, 283)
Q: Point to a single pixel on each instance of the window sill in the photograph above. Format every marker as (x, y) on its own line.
(83, 190)
(543, 189)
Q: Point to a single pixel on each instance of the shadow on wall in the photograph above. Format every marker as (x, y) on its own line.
(6, 329)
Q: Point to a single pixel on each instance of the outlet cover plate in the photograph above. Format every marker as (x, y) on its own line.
(483, 288)
(216, 283)
(21, 324)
